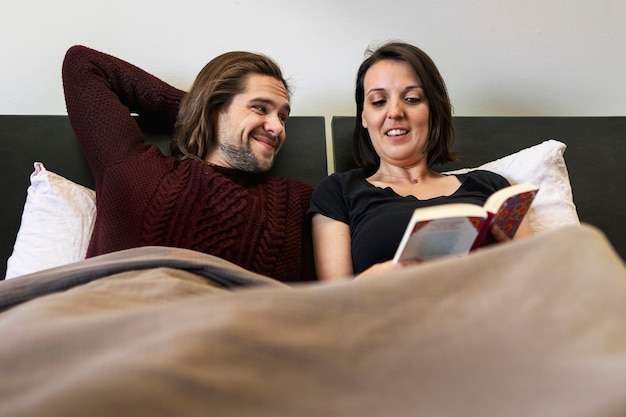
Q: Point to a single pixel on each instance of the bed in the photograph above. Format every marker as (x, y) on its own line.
(534, 327)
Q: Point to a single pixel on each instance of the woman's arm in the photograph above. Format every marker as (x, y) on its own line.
(332, 248)
(333, 252)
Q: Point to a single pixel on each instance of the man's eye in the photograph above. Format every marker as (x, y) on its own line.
(260, 109)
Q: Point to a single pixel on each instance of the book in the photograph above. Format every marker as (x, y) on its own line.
(458, 228)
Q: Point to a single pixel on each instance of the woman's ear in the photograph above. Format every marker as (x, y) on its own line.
(363, 123)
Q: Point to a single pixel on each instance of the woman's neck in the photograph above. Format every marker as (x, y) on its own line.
(407, 175)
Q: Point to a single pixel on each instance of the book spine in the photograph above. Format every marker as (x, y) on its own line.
(484, 237)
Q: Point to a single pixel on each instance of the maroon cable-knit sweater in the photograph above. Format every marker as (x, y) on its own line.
(144, 198)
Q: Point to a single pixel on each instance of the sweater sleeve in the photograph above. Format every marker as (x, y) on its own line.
(101, 92)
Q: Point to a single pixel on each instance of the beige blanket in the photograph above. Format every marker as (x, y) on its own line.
(532, 328)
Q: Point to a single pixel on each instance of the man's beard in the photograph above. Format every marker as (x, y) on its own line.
(240, 157)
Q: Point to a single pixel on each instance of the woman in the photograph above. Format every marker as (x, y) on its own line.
(403, 128)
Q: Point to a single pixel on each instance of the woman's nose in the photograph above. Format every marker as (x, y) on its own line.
(395, 110)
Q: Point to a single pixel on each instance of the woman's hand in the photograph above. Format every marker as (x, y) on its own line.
(387, 266)
(524, 230)
(498, 234)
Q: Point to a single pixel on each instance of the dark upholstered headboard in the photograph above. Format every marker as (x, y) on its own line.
(25, 139)
(595, 158)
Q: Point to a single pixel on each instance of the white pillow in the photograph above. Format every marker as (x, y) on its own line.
(542, 165)
(56, 224)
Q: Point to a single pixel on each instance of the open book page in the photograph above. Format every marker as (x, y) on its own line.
(441, 230)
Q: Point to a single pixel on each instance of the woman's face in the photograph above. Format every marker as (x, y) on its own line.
(396, 113)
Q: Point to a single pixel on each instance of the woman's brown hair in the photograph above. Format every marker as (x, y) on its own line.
(441, 132)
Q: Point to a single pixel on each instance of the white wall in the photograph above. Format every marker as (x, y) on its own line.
(499, 57)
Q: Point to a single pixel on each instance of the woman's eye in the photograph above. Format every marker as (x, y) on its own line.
(413, 100)
(378, 103)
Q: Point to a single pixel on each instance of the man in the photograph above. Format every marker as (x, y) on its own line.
(209, 194)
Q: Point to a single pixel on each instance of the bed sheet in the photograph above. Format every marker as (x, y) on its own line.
(535, 327)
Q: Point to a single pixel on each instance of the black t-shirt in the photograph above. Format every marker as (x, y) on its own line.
(378, 216)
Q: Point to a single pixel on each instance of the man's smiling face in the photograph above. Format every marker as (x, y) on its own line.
(251, 130)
